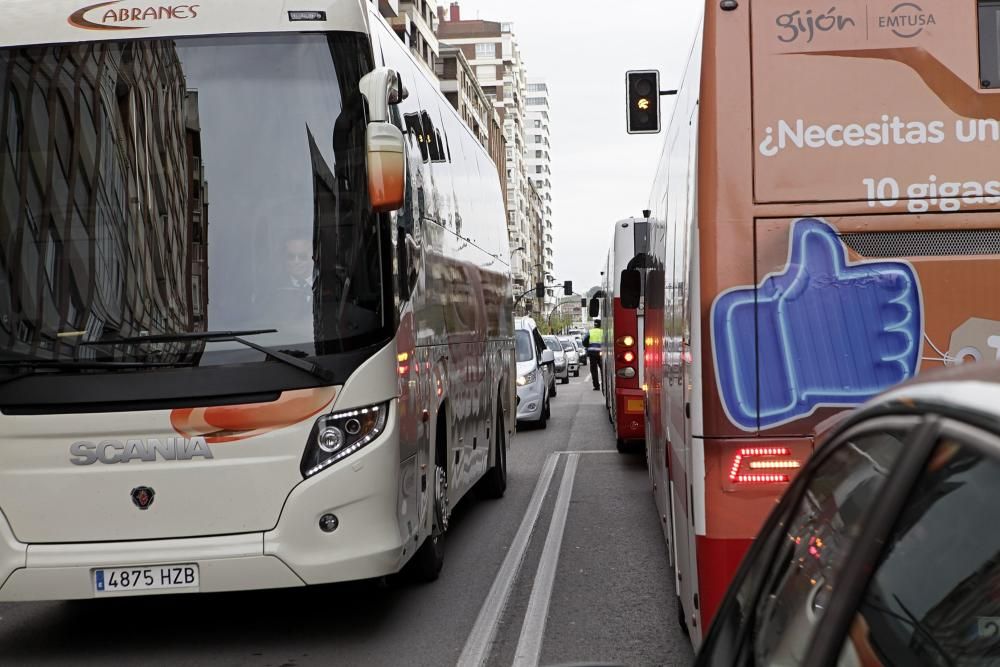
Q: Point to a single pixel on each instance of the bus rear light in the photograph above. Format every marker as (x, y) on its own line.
(627, 357)
(774, 465)
(760, 479)
(627, 341)
(750, 461)
(628, 373)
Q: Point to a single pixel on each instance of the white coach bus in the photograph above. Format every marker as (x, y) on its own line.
(255, 307)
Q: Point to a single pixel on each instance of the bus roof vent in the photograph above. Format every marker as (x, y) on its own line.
(930, 243)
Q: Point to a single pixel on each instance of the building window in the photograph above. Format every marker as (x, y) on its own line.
(486, 50)
(538, 169)
(486, 72)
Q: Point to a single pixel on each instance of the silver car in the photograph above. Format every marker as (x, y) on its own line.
(562, 367)
(884, 549)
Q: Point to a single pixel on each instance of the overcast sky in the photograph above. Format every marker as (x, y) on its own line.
(582, 49)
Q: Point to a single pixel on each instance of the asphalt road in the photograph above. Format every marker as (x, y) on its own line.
(568, 567)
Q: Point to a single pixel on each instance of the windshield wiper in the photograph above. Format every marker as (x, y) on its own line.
(226, 337)
(919, 626)
(58, 365)
(33, 365)
(208, 336)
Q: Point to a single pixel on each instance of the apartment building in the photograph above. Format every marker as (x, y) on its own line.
(492, 51)
(460, 85)
(538, 160)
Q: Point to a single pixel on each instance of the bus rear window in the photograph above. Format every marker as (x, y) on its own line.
(989, 43)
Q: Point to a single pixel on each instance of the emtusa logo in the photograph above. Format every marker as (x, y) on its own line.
(128, 18)
(906, 20)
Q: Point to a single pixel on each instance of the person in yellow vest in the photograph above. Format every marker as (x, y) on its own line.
(594, 342)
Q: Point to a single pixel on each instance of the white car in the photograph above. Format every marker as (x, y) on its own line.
(535, 365)
(572, 353)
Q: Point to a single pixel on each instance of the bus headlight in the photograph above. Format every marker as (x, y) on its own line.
(523, 380)
(336, 436)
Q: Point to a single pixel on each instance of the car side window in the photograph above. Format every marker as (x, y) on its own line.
(934, 598)
(539, 344)
(818, 536)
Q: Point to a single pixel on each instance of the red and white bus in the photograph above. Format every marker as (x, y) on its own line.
(622, 323)
(824, 226)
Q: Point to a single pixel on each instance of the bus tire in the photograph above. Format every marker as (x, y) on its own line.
(623, 447)
(426, 564)
(680, 618)
(494, 483)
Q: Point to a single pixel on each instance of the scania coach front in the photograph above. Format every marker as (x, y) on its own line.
(255, 322)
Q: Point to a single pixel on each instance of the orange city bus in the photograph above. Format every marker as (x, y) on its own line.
(824, 225)
(622, 322)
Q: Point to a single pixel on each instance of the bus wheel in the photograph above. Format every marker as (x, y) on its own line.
(427, 562)
(494, 483)
(622, 446)
(680, 618)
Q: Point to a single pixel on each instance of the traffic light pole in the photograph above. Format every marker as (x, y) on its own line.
(544, 287)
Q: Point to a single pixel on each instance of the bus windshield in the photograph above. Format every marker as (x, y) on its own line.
(172, 186)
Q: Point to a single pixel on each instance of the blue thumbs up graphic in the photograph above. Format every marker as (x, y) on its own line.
(827, 332)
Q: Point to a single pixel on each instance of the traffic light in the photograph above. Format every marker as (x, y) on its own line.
(643, 92)
(568, 288)
(540, 290)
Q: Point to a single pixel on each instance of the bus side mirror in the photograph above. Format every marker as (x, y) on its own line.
(631, 288)
(384, 147)
(595, 307)
(386, 167)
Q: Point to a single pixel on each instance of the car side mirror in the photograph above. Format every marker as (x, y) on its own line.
(548, 357)
(595, 307)
(631, 288)
(384, 146)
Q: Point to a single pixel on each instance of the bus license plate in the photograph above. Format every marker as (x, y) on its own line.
(123, 579)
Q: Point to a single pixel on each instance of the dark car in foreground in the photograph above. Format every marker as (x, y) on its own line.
(885, 550)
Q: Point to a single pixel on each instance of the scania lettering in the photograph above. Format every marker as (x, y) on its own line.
(112, 451)
(823, 226)
(256, 322)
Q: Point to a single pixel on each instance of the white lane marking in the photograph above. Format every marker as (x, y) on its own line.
(480, 640)
(529, 646)
(587, 451)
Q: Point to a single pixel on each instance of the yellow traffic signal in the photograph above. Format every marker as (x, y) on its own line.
(643, 89)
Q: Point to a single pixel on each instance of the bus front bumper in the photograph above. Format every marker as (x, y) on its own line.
(371, 493)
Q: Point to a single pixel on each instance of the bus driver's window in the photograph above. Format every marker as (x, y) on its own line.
(989, 43)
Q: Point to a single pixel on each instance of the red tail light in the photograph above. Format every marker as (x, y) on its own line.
(759, 465)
